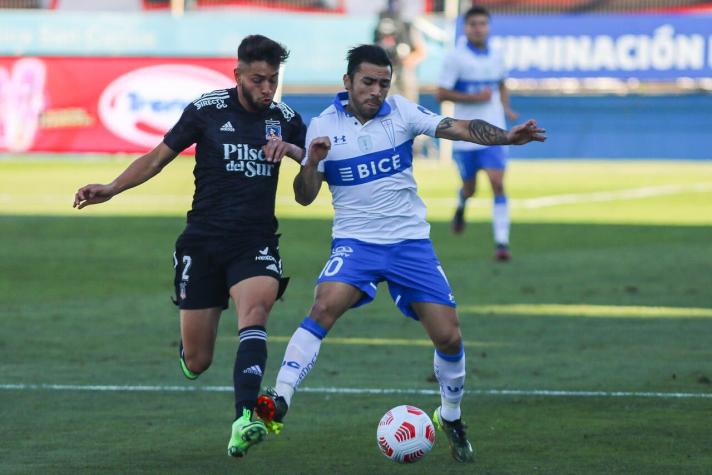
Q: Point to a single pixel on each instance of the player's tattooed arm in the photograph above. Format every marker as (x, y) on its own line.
(308, 181)
(477, 131)
(483, 133)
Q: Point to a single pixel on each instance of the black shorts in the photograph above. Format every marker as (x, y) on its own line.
(206, 267)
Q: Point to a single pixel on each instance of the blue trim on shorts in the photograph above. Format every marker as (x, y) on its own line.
(313, 327)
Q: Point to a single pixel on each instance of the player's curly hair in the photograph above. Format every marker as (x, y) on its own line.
(371, 54)
(260, 48)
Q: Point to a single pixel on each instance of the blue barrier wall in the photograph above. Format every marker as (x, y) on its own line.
(591, 127)
(641, 46)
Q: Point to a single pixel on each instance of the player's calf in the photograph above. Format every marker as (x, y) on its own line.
(184, 365)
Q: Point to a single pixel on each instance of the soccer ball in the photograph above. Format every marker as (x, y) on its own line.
(405, 434)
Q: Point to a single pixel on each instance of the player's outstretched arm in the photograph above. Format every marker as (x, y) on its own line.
(456, 96)
(140, 170)
(308, 181)
(483, 133)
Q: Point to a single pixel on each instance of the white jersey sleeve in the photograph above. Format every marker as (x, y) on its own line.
(417, 118)
(312, 133)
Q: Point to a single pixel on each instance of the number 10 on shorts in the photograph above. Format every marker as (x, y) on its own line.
(332, 267)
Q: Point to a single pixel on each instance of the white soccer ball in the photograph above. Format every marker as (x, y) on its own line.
(405, 434)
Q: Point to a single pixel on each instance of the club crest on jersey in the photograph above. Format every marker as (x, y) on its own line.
(273, 129)
(365, 143)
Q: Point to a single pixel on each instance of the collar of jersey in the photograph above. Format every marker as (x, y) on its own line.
(342, 99)
(478, 51)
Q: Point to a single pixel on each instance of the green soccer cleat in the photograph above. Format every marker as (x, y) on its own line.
(183, 366)
(271, 408)
(245, 434)
(460, 447)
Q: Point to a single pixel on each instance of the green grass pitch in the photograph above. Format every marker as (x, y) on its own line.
(610, 289)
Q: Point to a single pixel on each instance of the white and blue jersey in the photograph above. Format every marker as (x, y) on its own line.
(369, 170)
(380, 231)
(470, 69)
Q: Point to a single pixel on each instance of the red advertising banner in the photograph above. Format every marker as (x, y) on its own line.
(60, 104)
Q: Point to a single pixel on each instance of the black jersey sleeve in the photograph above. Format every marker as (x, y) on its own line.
(298, 131)
(186, 132)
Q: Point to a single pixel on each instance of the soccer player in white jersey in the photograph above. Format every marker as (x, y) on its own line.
(361, 146)
(473, 77)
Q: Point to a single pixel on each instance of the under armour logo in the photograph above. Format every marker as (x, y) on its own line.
(456, 389)
(339, 140)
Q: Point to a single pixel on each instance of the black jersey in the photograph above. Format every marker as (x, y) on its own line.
(235, 187)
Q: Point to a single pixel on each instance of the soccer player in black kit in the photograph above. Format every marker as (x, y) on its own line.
(229, 247)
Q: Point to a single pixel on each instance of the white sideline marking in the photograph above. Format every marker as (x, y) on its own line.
(618, 195)
(425, 392)
(526, 203)
(565, 199)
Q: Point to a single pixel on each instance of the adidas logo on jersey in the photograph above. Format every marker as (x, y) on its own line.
(254, 369)
(227, 127)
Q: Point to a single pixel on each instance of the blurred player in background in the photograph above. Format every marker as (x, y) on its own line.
(362, 146)
(405, 48)
(229, 247)
(473, 78)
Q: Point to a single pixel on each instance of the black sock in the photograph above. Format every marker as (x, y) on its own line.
(249, 367)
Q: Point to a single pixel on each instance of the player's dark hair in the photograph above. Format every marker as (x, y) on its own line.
(477, 10)
(260, 48)
(371, 54)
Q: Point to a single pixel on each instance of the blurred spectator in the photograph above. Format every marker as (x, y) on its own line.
(405, 47)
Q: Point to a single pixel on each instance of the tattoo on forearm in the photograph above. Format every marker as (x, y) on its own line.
(445, 124)
(485, 133)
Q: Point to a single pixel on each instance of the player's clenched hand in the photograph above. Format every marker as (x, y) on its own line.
(525, 133)
(92, 194)
(275, 149)
(319, 149)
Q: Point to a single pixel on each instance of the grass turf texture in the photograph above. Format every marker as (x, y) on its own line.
(609, 296)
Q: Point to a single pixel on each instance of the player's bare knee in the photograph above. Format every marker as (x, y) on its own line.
(199, 362)
(323, 313)
(450, 343)
(256, 315)
(468, 190)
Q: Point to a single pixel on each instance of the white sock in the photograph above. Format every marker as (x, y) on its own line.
(299, 358)
(500, 220)
(450, 371)
(461, 200)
